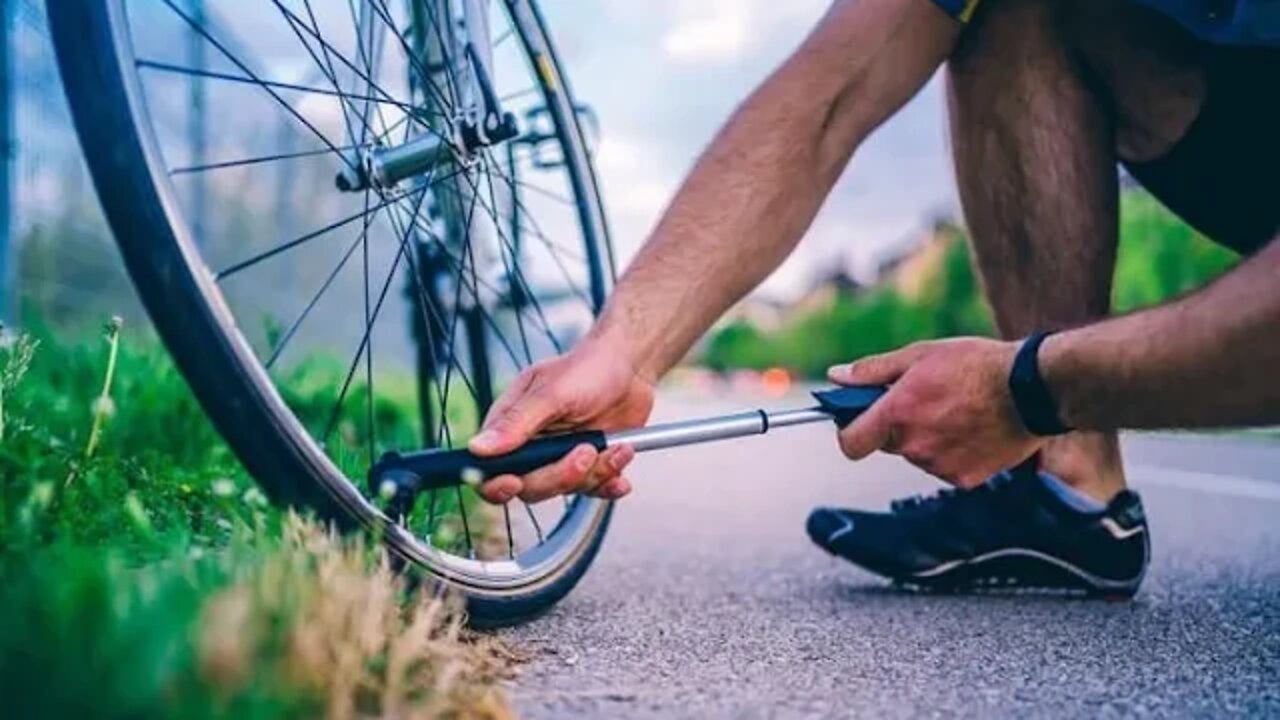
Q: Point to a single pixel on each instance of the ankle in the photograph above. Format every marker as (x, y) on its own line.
(1089, 462)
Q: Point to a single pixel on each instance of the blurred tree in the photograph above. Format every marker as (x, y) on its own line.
(1160, 257)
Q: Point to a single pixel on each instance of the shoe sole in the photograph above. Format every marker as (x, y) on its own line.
(1019, 570)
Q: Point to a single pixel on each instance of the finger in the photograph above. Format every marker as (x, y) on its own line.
(608, 467)
(501, 489)
(881, 369)
(567, 475)
(614, 489)
(870, 432)
(525, 411)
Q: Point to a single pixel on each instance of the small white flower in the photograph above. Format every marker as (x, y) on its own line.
(196, 552)
(253, 496)
(104, 406)
(223, 487)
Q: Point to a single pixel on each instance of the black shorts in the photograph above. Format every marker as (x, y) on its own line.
(1223, 176)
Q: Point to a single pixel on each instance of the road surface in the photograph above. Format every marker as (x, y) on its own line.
(709, 601)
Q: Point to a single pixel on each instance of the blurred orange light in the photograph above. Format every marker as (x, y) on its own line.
(776, 381)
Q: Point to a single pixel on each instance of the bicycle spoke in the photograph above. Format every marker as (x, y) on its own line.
(477, 283)
(381, 9)
(327, 64)
(306, 311)
(188, 169)
(546, 193)
(368, 356)
(556, 258)
(536, 231)
(364, 344)
(516, 95)
(427, 308)
(553, 248)
(342, 59)
(275, 84)
(457, 308)
(537, 526)
(511, 270)
(511, 538)
(250, 262)
(245, 69)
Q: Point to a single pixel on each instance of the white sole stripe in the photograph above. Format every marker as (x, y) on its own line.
(1088, 577)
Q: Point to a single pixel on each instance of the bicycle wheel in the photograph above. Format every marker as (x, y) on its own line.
(271, 171)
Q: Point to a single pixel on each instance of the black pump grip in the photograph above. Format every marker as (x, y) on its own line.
(845, 404)
(446, 468)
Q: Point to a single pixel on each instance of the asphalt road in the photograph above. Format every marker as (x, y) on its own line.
(709, 601)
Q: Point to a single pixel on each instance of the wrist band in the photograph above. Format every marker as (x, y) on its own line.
(1031, 397)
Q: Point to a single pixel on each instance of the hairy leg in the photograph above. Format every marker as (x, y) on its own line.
(1034, 133)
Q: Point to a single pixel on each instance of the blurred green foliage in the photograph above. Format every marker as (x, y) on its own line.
(1159, 258)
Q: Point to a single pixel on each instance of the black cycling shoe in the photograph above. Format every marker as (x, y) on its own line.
(1011, 533)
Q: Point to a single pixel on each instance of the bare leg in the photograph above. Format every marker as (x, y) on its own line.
(1035, 152)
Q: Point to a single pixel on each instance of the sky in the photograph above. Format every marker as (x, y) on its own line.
(663, 75)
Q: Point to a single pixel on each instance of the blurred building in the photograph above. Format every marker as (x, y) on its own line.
(917, 259)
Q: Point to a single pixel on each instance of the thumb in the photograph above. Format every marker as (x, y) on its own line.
(521, 412)
(883, 369)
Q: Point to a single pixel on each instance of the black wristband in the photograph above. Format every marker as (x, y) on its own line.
(1030, 393)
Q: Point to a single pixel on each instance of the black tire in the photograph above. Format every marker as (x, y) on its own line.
(198, 330)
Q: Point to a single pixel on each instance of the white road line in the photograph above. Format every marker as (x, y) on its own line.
(1233, 485)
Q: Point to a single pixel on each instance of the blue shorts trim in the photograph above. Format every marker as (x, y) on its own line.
(961, 10)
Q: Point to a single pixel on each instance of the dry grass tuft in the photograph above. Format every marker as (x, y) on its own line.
(326, 618)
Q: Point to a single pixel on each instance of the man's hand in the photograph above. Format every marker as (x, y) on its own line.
(948, 411)
(593, 386)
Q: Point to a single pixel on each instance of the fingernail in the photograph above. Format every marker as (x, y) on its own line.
(486, 439)
(840, 371)
(584, 460)
(622, 457)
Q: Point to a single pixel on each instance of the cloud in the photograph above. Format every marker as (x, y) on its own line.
(722, 31)
(708, 32)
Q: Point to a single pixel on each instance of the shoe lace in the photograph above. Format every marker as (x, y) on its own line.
(927, 502)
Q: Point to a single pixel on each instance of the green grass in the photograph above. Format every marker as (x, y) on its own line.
(144, 575)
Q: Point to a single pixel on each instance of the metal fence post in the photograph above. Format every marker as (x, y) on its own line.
(197, 121)
(7, 153)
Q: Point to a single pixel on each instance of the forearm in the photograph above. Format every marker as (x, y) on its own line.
(757, 187)
(1211, 359)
